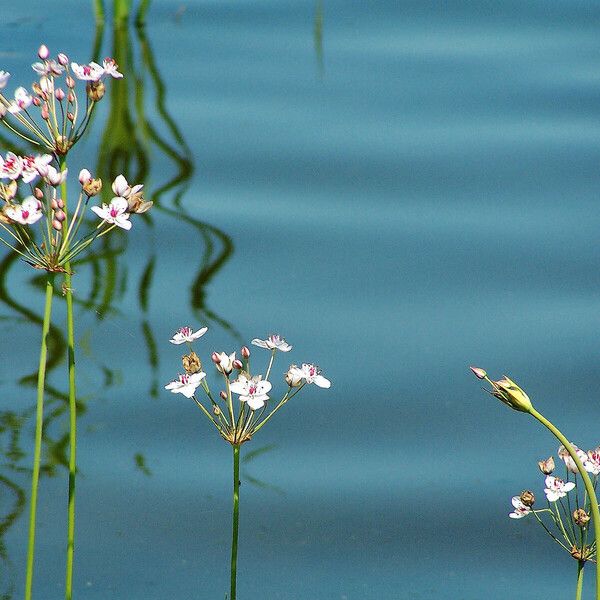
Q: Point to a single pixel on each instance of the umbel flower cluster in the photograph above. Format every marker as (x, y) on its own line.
(238, 421)
(33, 187)
(566, 516)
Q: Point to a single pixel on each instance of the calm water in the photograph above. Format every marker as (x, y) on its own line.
(401, 189)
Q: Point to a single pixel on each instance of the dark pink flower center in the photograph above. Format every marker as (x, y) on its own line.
(114, 212)
(24, 213)
(252, 390)
(185, 331)
(87, 70)
(184, 379)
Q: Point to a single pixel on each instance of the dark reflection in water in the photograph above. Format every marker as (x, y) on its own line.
(137, 126)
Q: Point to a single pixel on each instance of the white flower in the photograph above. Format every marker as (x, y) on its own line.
(310, 373)
(115, 212)
(27, 213)
(592, 462)
(223, 362)
(556, 488)
(22, 101)
(48, 67)
(51, 175)
(84, 176)
(186, 334)
(569, 462)
(273, 342)
(253, 391)
(4, 75)
(33, 164)
(521, 510)
(111, 68)
(133, 195)
(186, 384)
(11, 167)
(91, 72)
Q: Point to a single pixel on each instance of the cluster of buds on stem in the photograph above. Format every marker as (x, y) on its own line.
(237, 422)
(52, 114)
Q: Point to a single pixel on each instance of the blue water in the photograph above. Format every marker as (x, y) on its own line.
(408, 188)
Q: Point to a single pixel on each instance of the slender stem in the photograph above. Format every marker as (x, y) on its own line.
(578, 590)
(72, 418)
(38, 434)
(236, 518)
(99, 11)
(586, 481)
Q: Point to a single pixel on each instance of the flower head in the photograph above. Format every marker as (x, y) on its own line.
(186, 384)
(223, 362)
(253, 391)
(21, 102)
(186, 334)
(310, 373)
(11, 167)
(511, 394)
(28, 213)
(592, 461)
(568, 460)
(133, 194)
(4, 75)
(556, 488)
(111, 68)
(90, 72)
(547, 466)
(521, 510)
(273, 342)
(115, 212)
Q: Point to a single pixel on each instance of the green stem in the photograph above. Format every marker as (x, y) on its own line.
(236, 518)
(99, 10)
(586, 481)
(38, 434)
(72, 418)
(578, 590)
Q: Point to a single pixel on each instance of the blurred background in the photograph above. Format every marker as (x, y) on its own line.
(401, 189)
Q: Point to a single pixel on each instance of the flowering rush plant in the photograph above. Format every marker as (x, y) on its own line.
(243, 405)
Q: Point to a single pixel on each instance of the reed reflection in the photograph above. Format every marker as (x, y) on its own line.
(138, 125)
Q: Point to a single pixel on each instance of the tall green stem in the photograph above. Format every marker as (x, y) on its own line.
(580, 566)
(38, 434)
(587, 482)
(236, 518)
(72, 417)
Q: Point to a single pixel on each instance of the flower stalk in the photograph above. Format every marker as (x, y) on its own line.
(235, 519)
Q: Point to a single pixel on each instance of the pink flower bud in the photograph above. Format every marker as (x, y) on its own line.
(84, 176)
(45, 113)
(60, 215)
(42, 170)
(70, 116)
(245, 352)
(43, 52)
(223, 395)
(2, 111)
(36, 101)
(71, 97)
(70, 82)
(60, 203)
(53, 204)
(237, 364)
(479, 373)
(63, 59)
(60, 95)
(215, 358)
(38, 193)
(56, 224)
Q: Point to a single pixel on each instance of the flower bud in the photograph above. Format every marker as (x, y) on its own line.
(479, 373)
(511, 394)
(223, 395)
(216, 410)
(45, 113)
(546, 466)
(580, 517)
(245, 352)
(38, 193)
(59, 95)
(84, 175)
(237, 364)
(3, 111)
(70, 116)
(63, 59)
(191, 363)
(92, 187)
(293, 377)
(95, 90)
(60, 202)
(527, 498)
(43, 52)
(215, 358)
(36, 101)
(56, 224)
(71, 97)
(70, 82)
(60, 215)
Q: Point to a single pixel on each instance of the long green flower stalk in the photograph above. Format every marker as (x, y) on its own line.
(38, 434)
(236, 518)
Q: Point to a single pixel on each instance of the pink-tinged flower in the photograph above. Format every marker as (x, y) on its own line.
(4, 75)
(43, 52)
(48, 67)
(521, 510)
(91, 72)
(273, 342)
(111, 68)
(592, 462)
(63, 59)
(223, 362)
(479, 373)
(33, 164)
(133, 194)
(186, 384)
(310, 373)
(253, 391)
(186, 334)
(51, 175)
(29, 212)
(11, 167)
(115, 212)
(569, 462)
(556, 488)
(22, 101)
(84, 176)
